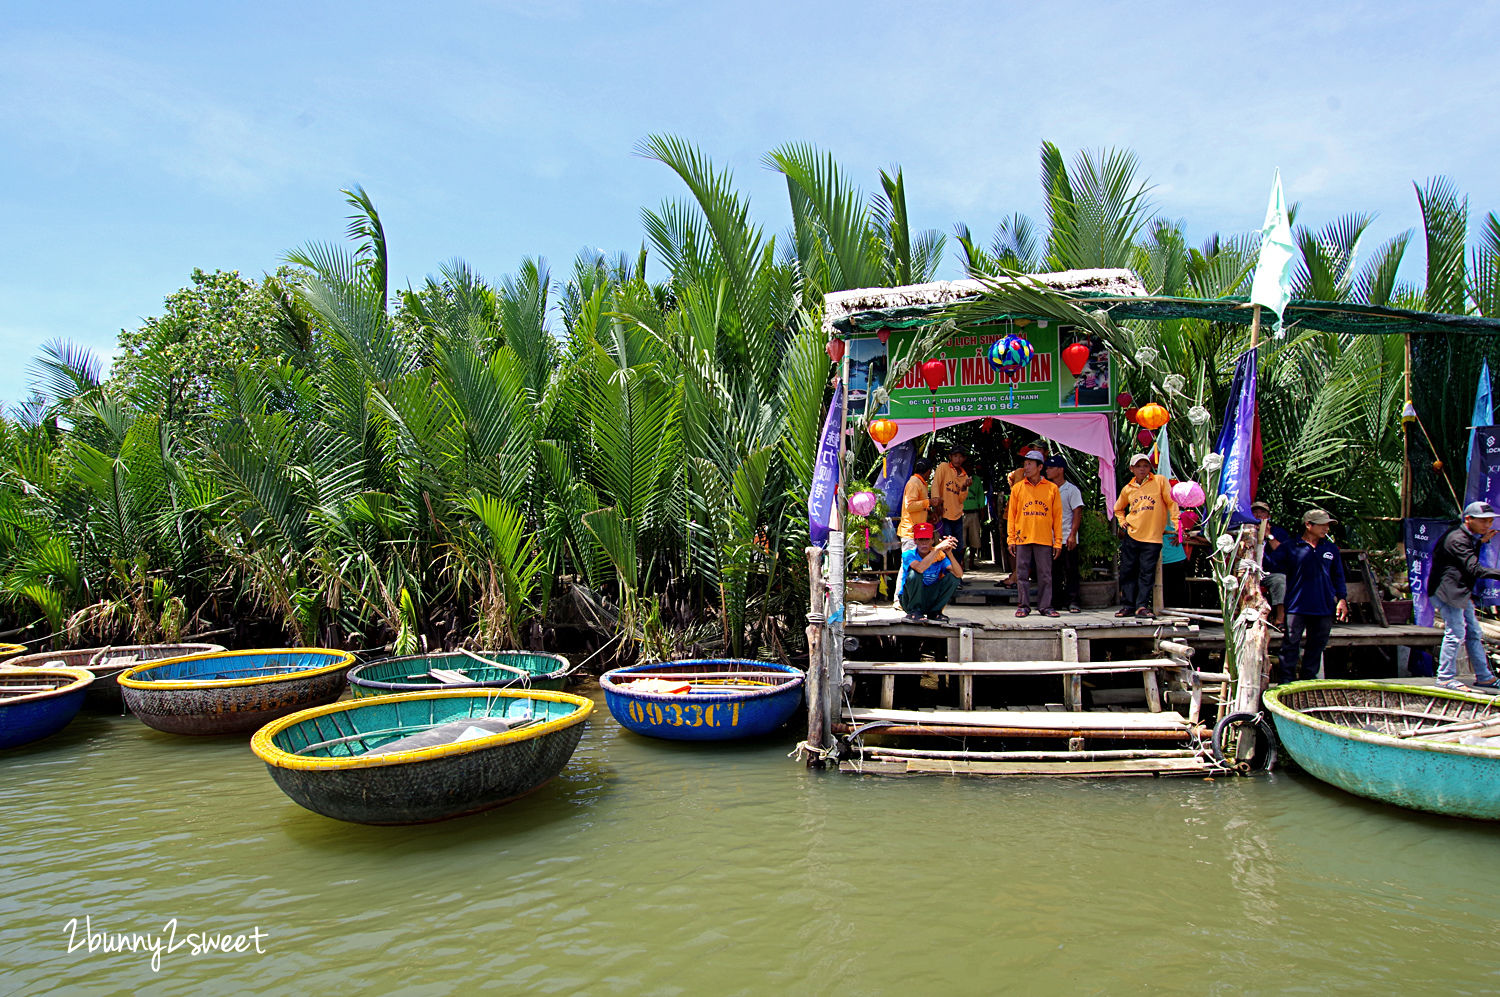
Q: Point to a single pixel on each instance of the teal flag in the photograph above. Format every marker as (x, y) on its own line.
(1484, 411)
(1272, 288)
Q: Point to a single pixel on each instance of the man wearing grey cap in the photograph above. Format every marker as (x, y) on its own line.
(1315, 596)
(1455, 569)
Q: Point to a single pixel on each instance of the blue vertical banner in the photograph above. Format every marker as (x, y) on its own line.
(892, 481)
(1422, 536)
(1237, 441)
(1484, 410)
(1483, 485)
(825, 480)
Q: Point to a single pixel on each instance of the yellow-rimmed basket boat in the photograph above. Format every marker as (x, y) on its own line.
(9, 652)
(233, 692)
(419, 757)
(108, 664)
(38, 702)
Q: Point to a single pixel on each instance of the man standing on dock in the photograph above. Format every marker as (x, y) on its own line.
(1144, 509)
(1455, 569)
(1072, 523)
(950, 490)
(931, 573)
(1034, 519)
(1315, 595)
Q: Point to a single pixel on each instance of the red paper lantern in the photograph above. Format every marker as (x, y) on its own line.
(1131, 413)
(1074, 357)
(1123, 399)
(988, 425)
(884, 335)
(1144, 437)
(835, 350)
(935, 373)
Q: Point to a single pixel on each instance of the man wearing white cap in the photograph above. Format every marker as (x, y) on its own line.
(1455, 569)
(1034, 520)
(1143, 509)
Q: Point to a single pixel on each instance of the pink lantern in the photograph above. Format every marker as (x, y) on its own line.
(862, 503)
(1188, 494)
(1144, 437)
(1188, 519)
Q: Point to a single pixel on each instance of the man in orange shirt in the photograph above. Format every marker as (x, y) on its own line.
(1034, 519)
(950, 489)
(1144, 508)
(915, 502)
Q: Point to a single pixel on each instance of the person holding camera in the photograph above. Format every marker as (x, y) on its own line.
(1455, 569)
(930, 573)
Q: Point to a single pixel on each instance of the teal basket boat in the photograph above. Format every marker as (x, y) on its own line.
(420, 757)
(233, 692)
(1422, 748)
(459, 670)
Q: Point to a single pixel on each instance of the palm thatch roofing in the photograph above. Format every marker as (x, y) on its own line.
(1121, 293)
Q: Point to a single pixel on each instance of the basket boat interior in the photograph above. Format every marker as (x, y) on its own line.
(16, 684)
(239, 665)
(1391, 711)
(349, 733)
(418, 669)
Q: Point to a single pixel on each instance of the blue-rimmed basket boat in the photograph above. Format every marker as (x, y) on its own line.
(108, 664)
(418, 757)
(459, 670)
(728, 698)
(1423, 748)
(233, 692)
(38, 702)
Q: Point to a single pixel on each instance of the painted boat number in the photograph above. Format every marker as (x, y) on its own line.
(685, 714)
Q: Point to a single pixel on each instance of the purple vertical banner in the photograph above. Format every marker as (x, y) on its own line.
(1422, 536)
(825, 480)
(892, 481)
(1237, 441)
(1484, 486)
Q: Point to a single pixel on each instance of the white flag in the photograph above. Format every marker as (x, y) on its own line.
(1273, 271)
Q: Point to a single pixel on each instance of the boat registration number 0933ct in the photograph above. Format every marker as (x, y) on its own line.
(685, 714)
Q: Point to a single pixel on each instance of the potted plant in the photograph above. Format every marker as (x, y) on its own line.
(864, 535)
(1097, 551)
(1395, 585)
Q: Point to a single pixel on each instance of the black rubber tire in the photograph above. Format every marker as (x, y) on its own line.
(1261, 726)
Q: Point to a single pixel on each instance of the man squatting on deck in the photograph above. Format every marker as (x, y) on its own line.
(1143, 511)
(1034, 518)
(931, 572)
(1315, 595)
(1455, 570)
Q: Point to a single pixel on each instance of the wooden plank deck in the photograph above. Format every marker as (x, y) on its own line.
(1167, 720)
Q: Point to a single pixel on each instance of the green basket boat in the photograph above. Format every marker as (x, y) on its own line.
(420, 757)
(459, 670)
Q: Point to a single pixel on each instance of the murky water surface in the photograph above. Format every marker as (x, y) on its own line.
(650, 867)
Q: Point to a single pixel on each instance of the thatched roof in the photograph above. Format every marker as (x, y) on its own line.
(840, 305)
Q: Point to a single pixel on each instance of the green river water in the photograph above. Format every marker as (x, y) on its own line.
(652, 867)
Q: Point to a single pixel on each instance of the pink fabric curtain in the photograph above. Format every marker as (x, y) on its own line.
(1086, 431)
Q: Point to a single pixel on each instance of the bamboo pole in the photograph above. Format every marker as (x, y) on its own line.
(818, 736)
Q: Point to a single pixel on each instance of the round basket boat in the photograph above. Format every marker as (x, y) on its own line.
(232, 692)
(38, 702)
(712, 699)
(457, 670)
(418, 757)
(1418, 747)
(107, 664)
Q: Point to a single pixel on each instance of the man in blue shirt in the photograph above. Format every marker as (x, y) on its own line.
(930, 576)
(1315, 595)
(1277, 541)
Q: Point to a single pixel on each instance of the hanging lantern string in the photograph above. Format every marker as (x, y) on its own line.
(1444, 472)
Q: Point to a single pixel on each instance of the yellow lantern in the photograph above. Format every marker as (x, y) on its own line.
(1152, 416)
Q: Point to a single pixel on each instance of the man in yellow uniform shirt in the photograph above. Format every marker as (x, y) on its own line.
(950, 490)
(1034, 519)
(1144, 508)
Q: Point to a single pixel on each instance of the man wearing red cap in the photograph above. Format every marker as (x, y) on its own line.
(930, 575)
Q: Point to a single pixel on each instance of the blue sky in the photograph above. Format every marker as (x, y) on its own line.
(138, 141)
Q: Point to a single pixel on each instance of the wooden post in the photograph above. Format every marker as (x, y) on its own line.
(819, 727)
